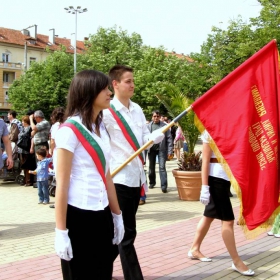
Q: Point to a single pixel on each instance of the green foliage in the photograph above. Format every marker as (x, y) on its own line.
(225, 50)
(44, 86)
(157, 69)
(176, 102)
(266, 26)
(109, 47)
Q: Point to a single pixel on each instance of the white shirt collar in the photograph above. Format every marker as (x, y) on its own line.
(119, 106)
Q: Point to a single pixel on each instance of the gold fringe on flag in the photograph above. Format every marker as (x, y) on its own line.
(249, 234)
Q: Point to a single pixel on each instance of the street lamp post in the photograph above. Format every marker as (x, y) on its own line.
(74, 11)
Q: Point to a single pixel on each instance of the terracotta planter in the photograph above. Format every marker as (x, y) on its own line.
(188, 184)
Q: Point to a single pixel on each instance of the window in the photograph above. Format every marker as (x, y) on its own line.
(6, 57)
(5, 77)
(6, 95)
(31, 60)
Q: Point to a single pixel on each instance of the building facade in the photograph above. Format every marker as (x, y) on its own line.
(19, 49)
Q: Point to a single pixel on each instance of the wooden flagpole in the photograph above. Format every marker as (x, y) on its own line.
(144, 147)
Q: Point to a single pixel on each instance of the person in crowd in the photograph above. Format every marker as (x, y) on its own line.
(163, 119)
(146, 151)
(57, 118)
(275, 231)
(214, 194)
(127, 127)
(42, 172)
(178, 142)
(14, 128)
(88, 217)
(166, 120)
(12, 119)
(7, 146)
(173, 132)
(163, 150)
(24, 154)
(40, 131)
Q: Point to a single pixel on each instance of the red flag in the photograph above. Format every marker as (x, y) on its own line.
(241, 113)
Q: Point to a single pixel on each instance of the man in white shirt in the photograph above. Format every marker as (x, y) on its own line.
(12, 119)
(129, 180)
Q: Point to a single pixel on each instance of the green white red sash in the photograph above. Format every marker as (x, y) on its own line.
(126, 130)
(90, 145)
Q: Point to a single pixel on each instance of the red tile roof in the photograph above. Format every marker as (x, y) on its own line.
(180, 56)
(11, 36)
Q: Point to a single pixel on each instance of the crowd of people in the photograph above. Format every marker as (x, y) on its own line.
(95, 211)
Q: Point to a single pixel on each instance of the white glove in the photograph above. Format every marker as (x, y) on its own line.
(62, 244)
(157, 136)
(204, 194)
(118, 228)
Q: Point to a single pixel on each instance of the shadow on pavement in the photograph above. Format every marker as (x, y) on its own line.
(25, 230)
(9, 184)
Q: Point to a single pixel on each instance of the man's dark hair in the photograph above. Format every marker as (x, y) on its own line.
(13, 113)
(116, 72)
(156, 112)
(42, 152)
(30, 112)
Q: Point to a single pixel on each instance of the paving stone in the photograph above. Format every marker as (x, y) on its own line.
(165, 226)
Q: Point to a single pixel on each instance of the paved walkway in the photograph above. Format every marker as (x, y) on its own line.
(166, 226)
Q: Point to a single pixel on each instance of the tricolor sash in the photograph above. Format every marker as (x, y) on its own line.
(126, 130)
(90, 145)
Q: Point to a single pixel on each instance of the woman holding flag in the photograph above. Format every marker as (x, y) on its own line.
(214, 194)
(87, 209)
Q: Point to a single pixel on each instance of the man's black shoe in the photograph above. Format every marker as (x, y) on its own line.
(151, 186)
(164, 190)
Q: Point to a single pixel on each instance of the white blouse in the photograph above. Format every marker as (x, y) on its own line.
(86, 190)
(215, 169)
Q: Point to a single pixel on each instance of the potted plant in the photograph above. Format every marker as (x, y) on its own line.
(188, 176)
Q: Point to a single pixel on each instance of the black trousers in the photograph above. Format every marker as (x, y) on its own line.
(128, 200)
(91, 234)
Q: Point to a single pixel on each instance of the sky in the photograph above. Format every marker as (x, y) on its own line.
(177, 25)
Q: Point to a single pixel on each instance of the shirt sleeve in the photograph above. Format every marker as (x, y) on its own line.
(40, 126)
(5, 130)
(54, 130)
(66, 139)
(205, 137)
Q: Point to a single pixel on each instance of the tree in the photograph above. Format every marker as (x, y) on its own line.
(44, 86)
(225, 50)
(109, 47)
(267, 24)
(158, 67)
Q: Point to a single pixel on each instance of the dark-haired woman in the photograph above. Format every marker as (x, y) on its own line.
(88, 217)
(27, 160)
(57, 118)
